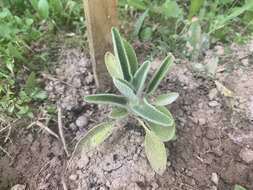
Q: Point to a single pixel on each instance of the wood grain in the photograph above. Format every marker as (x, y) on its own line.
(101, 15)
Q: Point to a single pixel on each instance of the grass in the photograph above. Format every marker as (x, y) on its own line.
(26, 27)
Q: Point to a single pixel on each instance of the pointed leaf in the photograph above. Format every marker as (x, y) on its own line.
(106, 99)
(139, 23)
(238, 187)
(156, 152)
(125, 88)
(137, 4)
(43, 8)
(93, 138)
(112, 66)
(195, 8)
(165, 99)
(118, 113)
(152, 114)
(140, 77)
(160, 74)
(133, 62)
(120, 53)
(164, 133)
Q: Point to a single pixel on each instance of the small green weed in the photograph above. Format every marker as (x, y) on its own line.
(136, 101)
(238, 187)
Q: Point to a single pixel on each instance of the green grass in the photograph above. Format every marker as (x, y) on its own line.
(25, 25)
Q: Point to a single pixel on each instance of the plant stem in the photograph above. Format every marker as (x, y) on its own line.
(142, 123)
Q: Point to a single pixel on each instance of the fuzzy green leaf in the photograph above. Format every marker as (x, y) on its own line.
(93, 138)
(112, 66)
(156, 152)
(164, 133)
(152, 114)
(106, 99)
(140, 77)
(125, 88)
(133, 62)
(160, 74)
(195, 7)
(43, 8)
(165, 99)
(139, 23)
(118, 113)
(120, 53)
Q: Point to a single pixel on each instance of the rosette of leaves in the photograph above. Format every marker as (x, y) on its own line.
(137, 101)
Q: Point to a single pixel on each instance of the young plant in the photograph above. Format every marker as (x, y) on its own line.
(136, 101)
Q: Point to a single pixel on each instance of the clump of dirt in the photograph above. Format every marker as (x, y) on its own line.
(32, 155)
(73, 79)
(119, 164)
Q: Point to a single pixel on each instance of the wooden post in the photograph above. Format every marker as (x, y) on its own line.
(101, 15)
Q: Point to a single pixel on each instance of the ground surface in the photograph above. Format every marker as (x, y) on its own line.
(213, 149)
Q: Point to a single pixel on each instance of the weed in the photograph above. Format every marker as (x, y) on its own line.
(136, 101)
(238, 187)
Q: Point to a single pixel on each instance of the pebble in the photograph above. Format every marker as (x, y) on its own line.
(72, 126)
(73, 177)
(210, 134)
(30, 137)
(18, 187)
(213, 188)
(198, 132)
(245, 62)
(213, 93)
(215, 178)
(246, 155)
(82, 121)
(213, 103)
(202, 121)
(219, 50)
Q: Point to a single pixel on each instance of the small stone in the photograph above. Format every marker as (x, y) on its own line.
(198, 132)
(73, 177)
(77, 82)
(246, 155)
(72, 126)
(210, 134)
(202, 121)
(245, 62)
(135, 157)
(82, 121)
(213, 103)
(154, 186)
(215, 178)
(30, 137)
(18, 187)
(219, 50)
(213, 93)
(213, 188)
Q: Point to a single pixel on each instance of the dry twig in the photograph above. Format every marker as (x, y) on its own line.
(61, 130)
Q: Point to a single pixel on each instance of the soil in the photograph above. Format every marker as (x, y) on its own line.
(213, 149)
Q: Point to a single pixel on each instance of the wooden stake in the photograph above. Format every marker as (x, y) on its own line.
(101, 15)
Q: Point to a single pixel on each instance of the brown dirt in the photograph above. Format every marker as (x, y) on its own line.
(213, 149)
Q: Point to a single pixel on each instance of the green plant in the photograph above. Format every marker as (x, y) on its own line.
(238, 187)
(136, 101)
